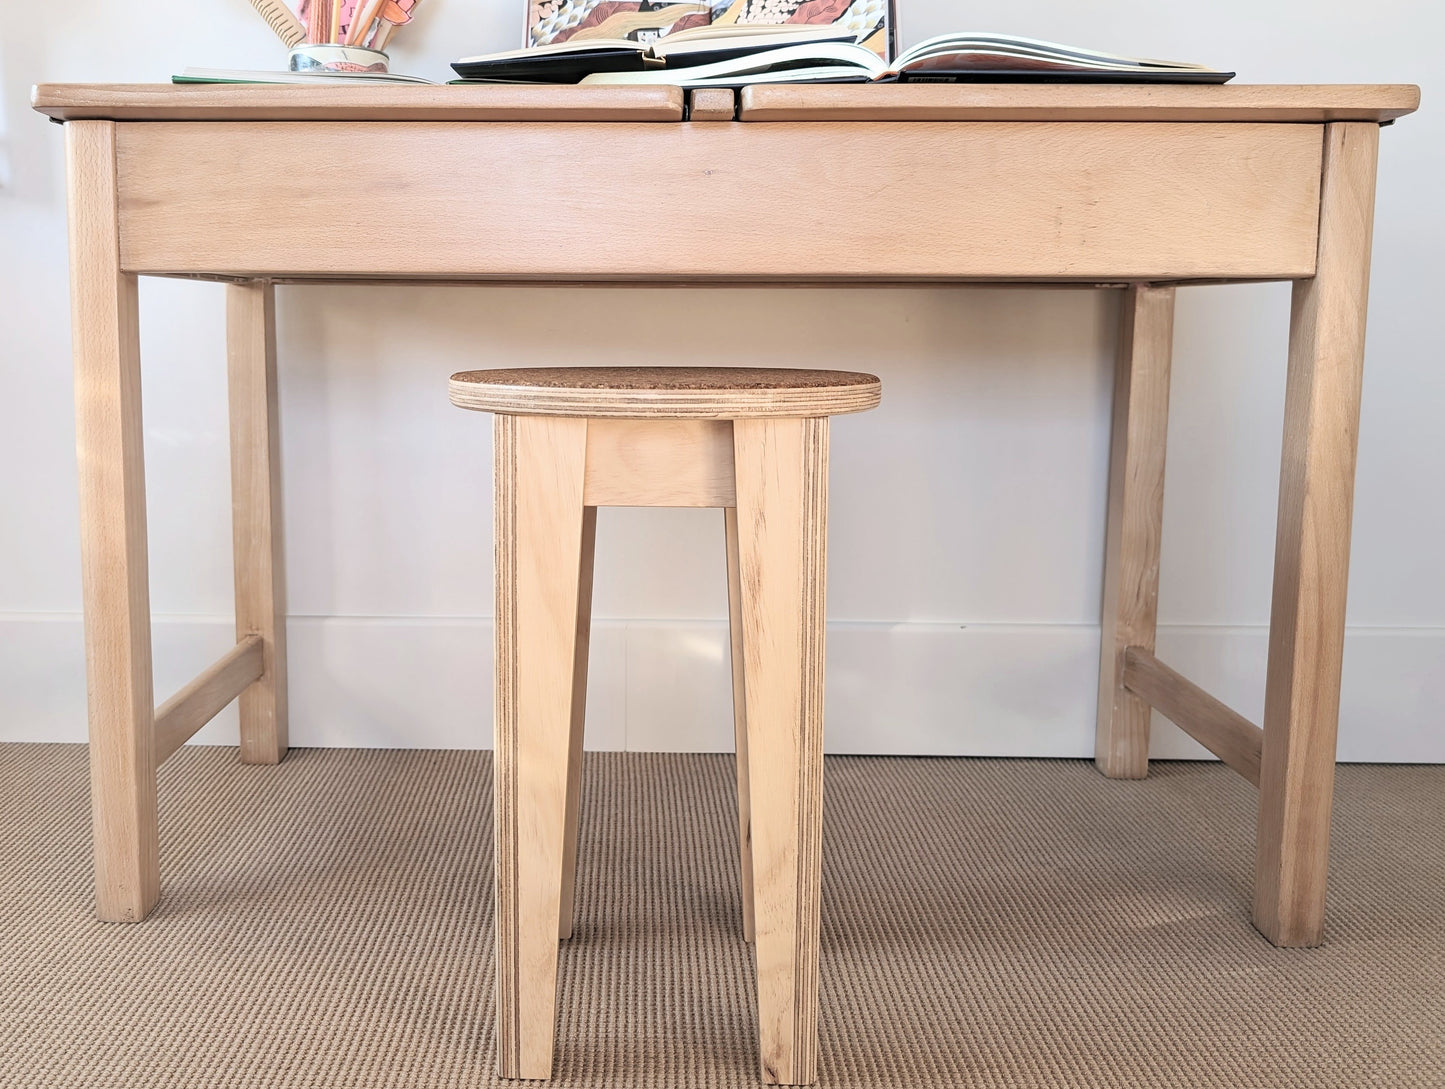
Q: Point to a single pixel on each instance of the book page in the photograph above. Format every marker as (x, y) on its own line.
(553, 21)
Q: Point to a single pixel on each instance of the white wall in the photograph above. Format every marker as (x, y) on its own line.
(967, 512)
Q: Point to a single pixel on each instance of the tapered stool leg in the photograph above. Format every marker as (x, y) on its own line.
(782, 500)
(579, 720)
(740, 720)
(539, 542)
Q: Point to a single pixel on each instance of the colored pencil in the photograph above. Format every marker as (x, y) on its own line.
(364, 16)
(320, 22)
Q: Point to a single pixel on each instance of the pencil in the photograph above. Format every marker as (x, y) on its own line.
(334, 30)
(361, 21)
(320, 12)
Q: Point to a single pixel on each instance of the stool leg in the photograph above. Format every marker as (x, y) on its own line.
(579, 718)
(1136, 516)
(539, 542)
(740, 720)
(782, 495)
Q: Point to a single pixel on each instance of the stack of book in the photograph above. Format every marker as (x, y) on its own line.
(734, 55)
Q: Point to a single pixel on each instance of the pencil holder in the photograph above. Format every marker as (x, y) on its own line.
(324, 57)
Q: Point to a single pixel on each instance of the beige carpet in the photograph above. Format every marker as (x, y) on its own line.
(985, 923)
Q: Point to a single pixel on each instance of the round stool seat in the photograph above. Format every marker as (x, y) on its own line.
(719, 393)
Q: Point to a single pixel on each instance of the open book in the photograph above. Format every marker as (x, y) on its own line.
(949, 58)
(572, 60)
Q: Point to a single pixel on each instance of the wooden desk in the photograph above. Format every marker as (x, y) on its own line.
(1140, 187)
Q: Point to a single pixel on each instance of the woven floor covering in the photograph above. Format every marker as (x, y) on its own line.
(328, 922)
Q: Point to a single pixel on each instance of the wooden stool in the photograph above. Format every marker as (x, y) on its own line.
(754, 442)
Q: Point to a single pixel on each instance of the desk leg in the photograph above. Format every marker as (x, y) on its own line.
(782, 529)
(1312, 549)
(1136, 515)
(113, 534)
(256, 513)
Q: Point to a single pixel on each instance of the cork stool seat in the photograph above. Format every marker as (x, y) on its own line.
(754, 442)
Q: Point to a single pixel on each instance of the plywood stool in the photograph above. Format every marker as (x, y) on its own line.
(754, 442)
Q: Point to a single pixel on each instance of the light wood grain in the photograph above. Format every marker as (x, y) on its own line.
(740, 717)
(240, 102)
(725, 393)
(1223, 731)
(258, 552)
(1082, 202)
(1312, 549)
(551, 472)
(782, 473)
(583, 637)
(506, 828)
(200, 701)
(899, 102)
(659, 463)
(1075, 102)
(711, 104)
(539, 534)
(1134, 525)
(114, 575)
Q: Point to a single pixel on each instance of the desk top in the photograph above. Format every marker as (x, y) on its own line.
(1271, 102)
(350, 102)
(780, 102)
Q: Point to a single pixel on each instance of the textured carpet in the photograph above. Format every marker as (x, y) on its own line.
(985, 923)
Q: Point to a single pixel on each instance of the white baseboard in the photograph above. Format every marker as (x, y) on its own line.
(895, 689)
